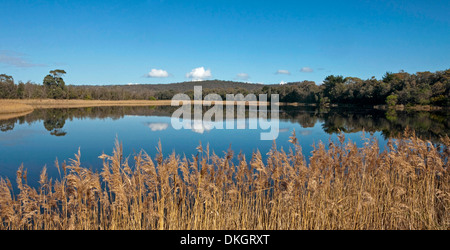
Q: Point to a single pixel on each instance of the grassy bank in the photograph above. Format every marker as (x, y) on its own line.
(10, 109)
(6, 106)
(19, 107)
(343, 187)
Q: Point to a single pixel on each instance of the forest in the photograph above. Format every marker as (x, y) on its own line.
(420, 88)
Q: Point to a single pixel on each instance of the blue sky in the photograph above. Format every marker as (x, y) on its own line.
(164, 41)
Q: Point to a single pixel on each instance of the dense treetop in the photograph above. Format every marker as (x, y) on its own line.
(421, 88)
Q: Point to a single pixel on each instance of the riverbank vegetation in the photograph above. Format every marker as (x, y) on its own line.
(405, 186)
(428, 125)
(10, 109)
(401, 88)
(15, 105)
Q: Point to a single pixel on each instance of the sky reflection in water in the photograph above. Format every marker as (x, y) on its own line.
(39, 138)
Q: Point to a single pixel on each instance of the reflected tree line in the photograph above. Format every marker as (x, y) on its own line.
(55, 119)
(392, 124)
(427, 125)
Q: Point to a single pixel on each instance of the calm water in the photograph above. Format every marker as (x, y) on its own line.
(39, 138)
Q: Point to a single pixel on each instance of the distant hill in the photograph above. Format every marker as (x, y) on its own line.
(163, 91)
(183, 86)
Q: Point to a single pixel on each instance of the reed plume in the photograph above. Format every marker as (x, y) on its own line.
(403, 186)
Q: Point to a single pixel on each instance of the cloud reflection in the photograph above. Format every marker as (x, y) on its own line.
(155, 126)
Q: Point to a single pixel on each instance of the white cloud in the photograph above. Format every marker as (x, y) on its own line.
(158, 126)
(283, 72)
(306, 70)
(199, 74)
(242, 76)
(283, 83)
(159, 73)
(201, 127)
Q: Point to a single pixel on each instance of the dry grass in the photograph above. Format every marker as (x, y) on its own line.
(10, 107)
(53, 103)
(19, 107)
(407, 186)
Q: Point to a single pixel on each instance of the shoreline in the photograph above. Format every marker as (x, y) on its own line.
(12, 108)
(407, 108)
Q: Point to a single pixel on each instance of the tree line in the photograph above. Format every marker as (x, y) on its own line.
(421, 88)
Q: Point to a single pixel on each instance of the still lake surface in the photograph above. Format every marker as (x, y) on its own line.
(38, 139)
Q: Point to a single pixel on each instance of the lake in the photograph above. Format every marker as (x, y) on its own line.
(39, 138)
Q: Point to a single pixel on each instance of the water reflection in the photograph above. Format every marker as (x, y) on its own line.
(391, 124)
(54, 121)
(427, 125)
(158, 126)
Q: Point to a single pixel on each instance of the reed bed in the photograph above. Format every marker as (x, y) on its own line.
(405, 186)
(10, 107)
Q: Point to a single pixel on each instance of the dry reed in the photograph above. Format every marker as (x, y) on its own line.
(10, 106)
(405, 186)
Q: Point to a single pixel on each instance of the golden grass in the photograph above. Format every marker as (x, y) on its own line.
(407, 186)
(11, 107)
(14, 115)
(53, 103)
